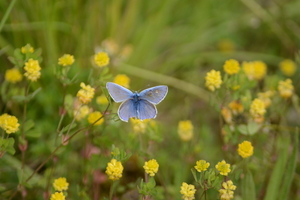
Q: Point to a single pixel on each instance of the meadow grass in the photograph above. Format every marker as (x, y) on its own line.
(174, 43)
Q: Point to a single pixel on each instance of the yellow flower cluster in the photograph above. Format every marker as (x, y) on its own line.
(201, 165)
(81, 113)
(185, 130)
(101, 59)
(102, 100)
(288, 67)
(151, 167)
(236, 107)
(58, 196)
(66, 60)
(9, 123)
(227, 192)
(187, 191)
(213, 80)
(139, 126)
(94, 116)
(255, 70)
(231, 66)
(122, 79)
(13, 75)
(245, 149)
(32, 69)
(257, 108)
(60, 184)
(223, 168)
(227, 115)
(286, 88)
(85, 94)
(114, 169)
(266, 97)
(27, 49)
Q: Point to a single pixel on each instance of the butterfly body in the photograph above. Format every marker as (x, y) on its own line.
(138, 105)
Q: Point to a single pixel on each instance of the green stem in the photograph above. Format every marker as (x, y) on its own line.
(111, 190)
(11, 5)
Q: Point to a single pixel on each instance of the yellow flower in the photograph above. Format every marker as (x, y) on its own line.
(27, 49)
(139, 126)
(94, 116)
(201, 165)
(102, 100)
(60, 184)
(101, 59)
(82, 113)
(122, 79)
(66, 60)
(185, 130)
(227, 192)
(255, 70)
(231, 67)
(151, 167)
(257, 108)
(85, 94)
(236, 107)
(13, 75)
(32, 69)
(58, 196)
(223, 168)
(288, 67)
(9, 123)
(286, 88)
(227, 115)
(213, 80)
(114, 169)
(245, 149)
(187, 191)
(266, 97)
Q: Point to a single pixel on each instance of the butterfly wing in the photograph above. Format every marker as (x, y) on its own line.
(118, 93)
(127, 110)
(155, 94)
(145, 110)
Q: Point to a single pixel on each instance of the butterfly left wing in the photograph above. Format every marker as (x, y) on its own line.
(118, 93)
(146, 110)
(127, 110)
(155, 94)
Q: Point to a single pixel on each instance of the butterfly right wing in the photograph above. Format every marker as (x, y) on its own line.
(146, 110)
(155, 94)
(127, 110)
(118, 93)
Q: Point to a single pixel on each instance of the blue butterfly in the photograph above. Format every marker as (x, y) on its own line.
(138, 105)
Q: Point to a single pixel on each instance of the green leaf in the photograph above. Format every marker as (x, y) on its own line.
(248, 187)
(279, 170)
(290, 169)
(243, 129)
(33, 133)
(12, 60)
(30, 96)
(151, 183)
(194, 174)
(29, 124)
(10, 146)
(253, 127)
(19, 98)
(66, 128)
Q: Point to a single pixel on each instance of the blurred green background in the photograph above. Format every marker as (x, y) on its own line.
(170, 42)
